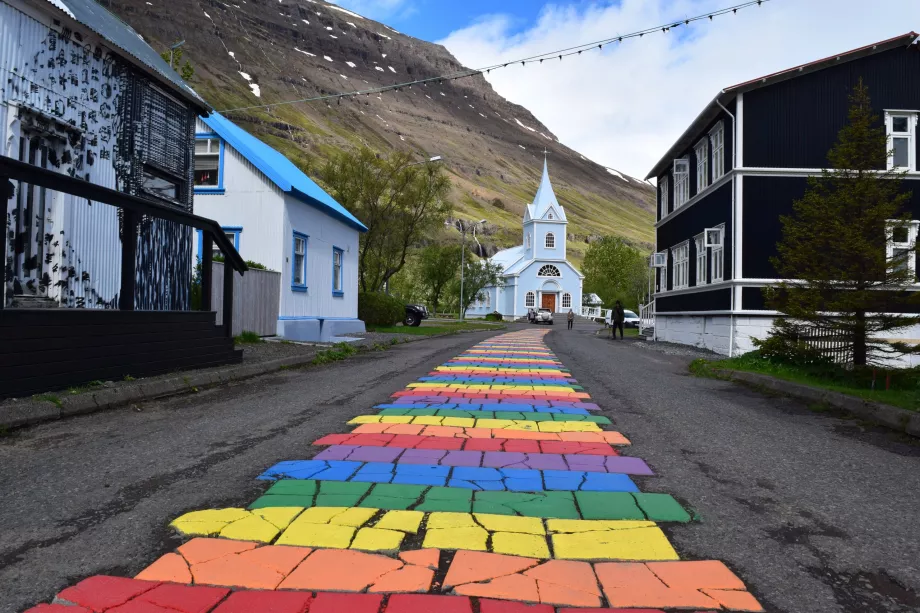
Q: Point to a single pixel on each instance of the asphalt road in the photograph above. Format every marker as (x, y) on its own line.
(817, 514)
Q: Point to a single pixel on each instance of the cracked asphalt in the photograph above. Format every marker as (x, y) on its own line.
(817, 514)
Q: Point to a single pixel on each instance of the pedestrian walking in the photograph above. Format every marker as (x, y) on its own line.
(571, 318)
(616, 320)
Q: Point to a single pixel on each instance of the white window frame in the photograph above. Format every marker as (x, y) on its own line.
(717, 144)
(681, 182)
(551, 266)
(717, 259)
(549, 241)
(663, 190)
(301, 267)
(566, 300)
(680, 272)
(910, 136)
(530, 300)
(913, 229)
(214, 150)
(702, 259)
(663, 276)
(702, 165)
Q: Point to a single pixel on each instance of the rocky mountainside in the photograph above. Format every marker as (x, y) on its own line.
(256, 52)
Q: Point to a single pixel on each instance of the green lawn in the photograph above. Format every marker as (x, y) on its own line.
(439, 327)
(905, 398)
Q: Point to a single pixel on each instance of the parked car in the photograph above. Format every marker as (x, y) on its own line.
(415, 313)
(543, 316)
(631, 320)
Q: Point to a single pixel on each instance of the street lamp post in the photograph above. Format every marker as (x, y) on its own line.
(463, 230)
(172, 51)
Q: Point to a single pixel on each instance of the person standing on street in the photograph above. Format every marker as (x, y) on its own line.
(616, 319)
(571, 318)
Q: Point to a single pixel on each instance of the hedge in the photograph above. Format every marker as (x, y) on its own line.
(378, 309)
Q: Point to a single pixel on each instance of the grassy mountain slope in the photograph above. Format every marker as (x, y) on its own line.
(256, 52)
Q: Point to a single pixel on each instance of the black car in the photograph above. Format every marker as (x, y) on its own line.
(415, 313)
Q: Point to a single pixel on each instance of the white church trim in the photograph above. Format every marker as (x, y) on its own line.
(523, 264)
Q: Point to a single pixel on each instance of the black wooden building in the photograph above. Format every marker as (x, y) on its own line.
(740, 166)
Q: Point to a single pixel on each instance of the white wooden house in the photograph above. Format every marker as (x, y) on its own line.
(277, 216)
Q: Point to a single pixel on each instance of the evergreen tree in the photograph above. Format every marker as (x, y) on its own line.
(842, 274)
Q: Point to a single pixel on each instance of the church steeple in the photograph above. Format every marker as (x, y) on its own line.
(545, 200)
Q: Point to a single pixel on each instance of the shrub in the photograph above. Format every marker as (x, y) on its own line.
(378, 309)
(785, 345)
(495, 316)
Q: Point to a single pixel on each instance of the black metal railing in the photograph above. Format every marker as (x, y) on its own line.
(133, 209)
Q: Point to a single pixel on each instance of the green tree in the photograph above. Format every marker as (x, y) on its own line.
(477, 275)
(438, 265)
(175, 55)
(615, 270)
(400, 203)
(843, 274)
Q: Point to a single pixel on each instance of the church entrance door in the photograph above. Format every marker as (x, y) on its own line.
(548, 301)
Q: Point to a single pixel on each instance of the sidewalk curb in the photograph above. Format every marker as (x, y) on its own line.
(31, 411)
(886, 415)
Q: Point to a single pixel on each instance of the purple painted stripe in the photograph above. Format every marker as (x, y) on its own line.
(489, 459)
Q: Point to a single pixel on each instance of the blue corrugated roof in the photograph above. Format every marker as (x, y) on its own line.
(121, 35)
(279, 169)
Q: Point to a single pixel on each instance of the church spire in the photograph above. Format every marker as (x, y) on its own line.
(545, 197)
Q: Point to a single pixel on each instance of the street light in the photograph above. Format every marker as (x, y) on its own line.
(463, 230)
(172, 50)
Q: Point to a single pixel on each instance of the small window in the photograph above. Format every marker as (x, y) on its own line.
(701, 268)
(550, 240)
(299, 262)
(902, 246)
(208, 163)
(566, 301)
(549, 271)
(530, 300)
(681, 271)
(902, 150)
(233, 235)
(550, 215)
(663, 274)
(663, 192)
(681, 182)
(717, 260)
(717, 142)
(159, 184)
(337, 259)
(702, 165)
(658, 260)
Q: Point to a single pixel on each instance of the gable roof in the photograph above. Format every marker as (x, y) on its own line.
(712, 110)
(544, 200)
(91, 14)
(280, 170)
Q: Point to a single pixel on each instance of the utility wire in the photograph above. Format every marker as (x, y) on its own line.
(550, 55)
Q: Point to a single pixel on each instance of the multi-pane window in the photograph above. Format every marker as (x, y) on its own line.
(663, 191)
(901, 128)
(337, 255)
(702, 165)
(681, 270)
(700, 245)
(550, 240)
(549, 271)
(717, 259)
(566, 301)
(663, 275)
(902, 246)
(530, 300)
(681, 182)
(717, 141)
(207, 163)
(299, 262)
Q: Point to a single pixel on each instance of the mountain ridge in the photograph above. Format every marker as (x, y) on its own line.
(248, 53)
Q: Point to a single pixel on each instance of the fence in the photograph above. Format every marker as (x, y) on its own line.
(828, 342)
(256, 300)
(595, 312)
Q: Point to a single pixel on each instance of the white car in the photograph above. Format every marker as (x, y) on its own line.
(543, 316)
(630, 319)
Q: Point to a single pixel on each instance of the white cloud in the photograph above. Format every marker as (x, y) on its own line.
(623, 107)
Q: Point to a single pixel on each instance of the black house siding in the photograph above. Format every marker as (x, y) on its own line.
(794, 123)
(765, 200)
(716, 300)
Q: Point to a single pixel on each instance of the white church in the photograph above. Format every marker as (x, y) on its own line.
(536, 274)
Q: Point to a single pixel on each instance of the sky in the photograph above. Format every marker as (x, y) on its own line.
(624, 106)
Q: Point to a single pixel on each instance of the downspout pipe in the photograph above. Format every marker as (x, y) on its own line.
(731, 316)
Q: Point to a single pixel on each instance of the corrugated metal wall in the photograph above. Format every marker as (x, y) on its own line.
(255, 300)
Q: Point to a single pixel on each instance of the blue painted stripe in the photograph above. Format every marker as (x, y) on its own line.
(491, 479)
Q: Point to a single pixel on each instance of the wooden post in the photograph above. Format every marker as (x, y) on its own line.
(207, 269)
(228, 296)
(128, 260)
(6, 191)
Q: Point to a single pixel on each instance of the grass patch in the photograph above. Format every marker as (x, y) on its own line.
(247, 337)
(338, 352)
(904, 391)
(88, 387)
(438, 328)
(48, 398)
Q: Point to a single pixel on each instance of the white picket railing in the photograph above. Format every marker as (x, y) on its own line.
(595, 313)
(647, 317)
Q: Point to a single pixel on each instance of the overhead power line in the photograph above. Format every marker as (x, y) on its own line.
(539, 58)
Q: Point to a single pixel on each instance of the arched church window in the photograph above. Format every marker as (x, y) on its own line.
(530, 300)
(566, 301)
(549, 271)
(551, 241)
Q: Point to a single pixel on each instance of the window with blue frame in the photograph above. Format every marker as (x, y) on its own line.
(209, 164)
(233, 235)
(299, 262)
(338, 257)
